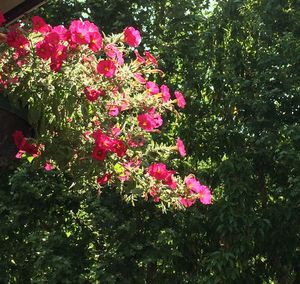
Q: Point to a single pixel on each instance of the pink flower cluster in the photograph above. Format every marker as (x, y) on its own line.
(105, 144)
(196, 191)
(115, 104)
(59, 40)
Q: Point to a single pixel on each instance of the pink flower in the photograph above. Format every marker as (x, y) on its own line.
(199, 190)
(152, 88)
(180, 147)
(113, 52)
(23, 145)
(48, 166)
(139, 78)
(180, 99)
(186, 202)
(55, 66)
(192, 183)
(2, 19)
(106, 68)
(39, 25)
(204, 195)
(165, 92)
(80, 32)
(170, 180)
(17, 40)
(104, 179)
(103, 141)
(95, 41)
(158, 171)
(132, 36)
(59, 53)
(146, 122)
(115, 131)
(119, 148)
(150, 58)
(113, 110)
(92, 94)
(149, 121)
(99, 153)
(154, 192)
(43, 50)
(139, 58)
(62, 32)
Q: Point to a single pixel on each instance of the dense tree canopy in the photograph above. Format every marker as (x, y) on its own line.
(238, 64)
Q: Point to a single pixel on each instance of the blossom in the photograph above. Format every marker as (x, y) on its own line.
(139, 78)
(104, 179)
(139, 58)
(150, 58)
(158, 171)
(39, 25)
(149, 121)
(106, 68)
(17, 40)
(152, 88)
(170, 181)
(80, 32)
(43, 50)
(99, 153)
(180, 147)
(92, 94)
(48, 166)
(165, 92)
(132, 36)
(119, 148)
(62, 32)
(113, 52)
(180, 99)
(59, 54)
(186, 202)
(154, 192)
(23, 145)
(204, 195)
(199, 190)
(95, 41)
(2, 19)
(113, 110)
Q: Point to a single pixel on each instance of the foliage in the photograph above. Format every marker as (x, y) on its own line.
(239, 67)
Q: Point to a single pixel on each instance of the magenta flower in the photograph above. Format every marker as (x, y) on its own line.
(39, 25)
(80, 33)
(140, 78)
(180, 147)
(186, 202)
(132, 36)
(146, 121)
(92, 94)
(158, 171)
(165, 93)
(150, 58)
(152, 88)
(104, 179)
(95, 41)
(180, 99)
(62, 32)
(106, 68)
(48, 167)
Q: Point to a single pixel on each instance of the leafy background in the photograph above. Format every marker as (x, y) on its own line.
(238, 64)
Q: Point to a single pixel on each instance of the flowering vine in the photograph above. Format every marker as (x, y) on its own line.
(94, 107)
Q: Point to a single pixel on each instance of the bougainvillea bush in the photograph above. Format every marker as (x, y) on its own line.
(95, 108)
